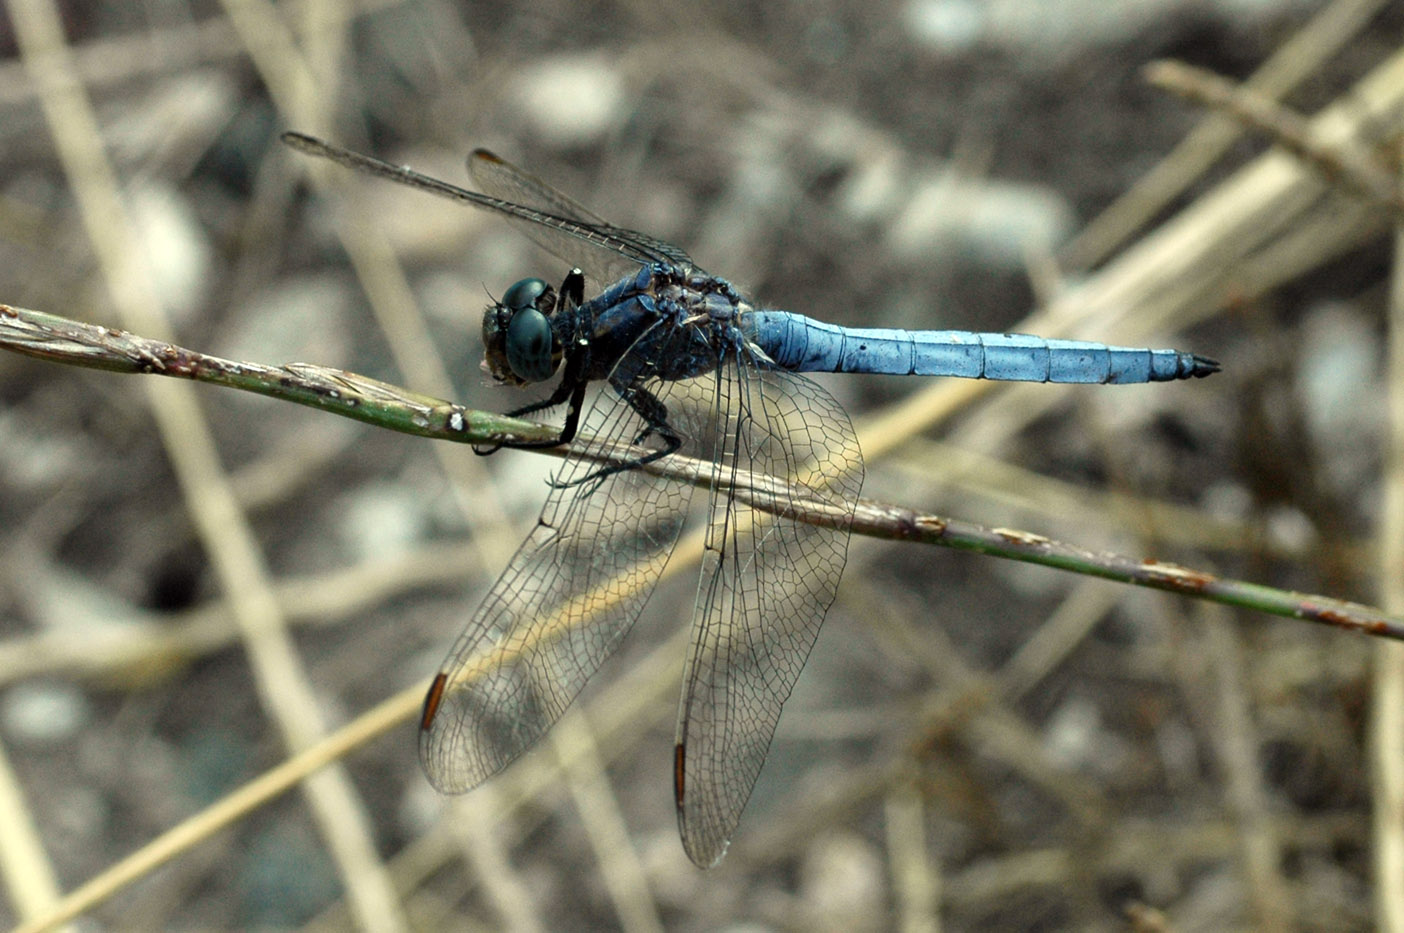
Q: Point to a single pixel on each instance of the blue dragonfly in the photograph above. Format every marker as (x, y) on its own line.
(692, 368)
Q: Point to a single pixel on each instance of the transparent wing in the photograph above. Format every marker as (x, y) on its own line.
(501, 179)
(566, 599)
(766, 585)
(554, 221)
(610, 252)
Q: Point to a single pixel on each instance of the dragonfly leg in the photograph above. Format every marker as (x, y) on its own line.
(655, 416)
(572, 290)
(573, 395)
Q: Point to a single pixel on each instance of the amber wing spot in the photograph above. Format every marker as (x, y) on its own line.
(679, 755)
(431, 701)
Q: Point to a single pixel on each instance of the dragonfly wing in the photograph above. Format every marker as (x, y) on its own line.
(566, 599)
(593, 245)
(554, 221)
(766, 585)
(499, 178)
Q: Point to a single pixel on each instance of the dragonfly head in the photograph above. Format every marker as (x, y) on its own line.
(519, 345)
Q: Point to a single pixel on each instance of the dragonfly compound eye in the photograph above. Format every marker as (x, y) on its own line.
(530, 346)
(512, 354)
(524, 294)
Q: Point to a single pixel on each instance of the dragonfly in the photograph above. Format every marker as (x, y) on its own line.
(691, 368)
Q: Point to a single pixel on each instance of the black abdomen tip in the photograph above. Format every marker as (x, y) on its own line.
(1201, 366)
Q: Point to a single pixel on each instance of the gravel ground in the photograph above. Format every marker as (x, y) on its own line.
(976, 743)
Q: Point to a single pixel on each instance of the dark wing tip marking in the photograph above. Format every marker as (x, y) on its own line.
(432, 699)
(679, 775)
(485, 155)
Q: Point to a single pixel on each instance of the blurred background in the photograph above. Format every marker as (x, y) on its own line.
(975, 744)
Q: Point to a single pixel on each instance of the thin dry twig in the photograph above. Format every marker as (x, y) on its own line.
(1387, 727)
(283, 684)
(916, 880)
(628, 702)
(1179, 274)
(29, 878)
(620, 866)
(475, 824)
(1295, 61)
(194, 830)
(1238, 745)
(106, 62)
(399, 409)
(1342, 164)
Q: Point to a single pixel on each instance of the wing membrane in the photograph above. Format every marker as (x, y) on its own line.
(766, 583)
(577, 584)
(569, 595)
(595, 245)
(549, 218)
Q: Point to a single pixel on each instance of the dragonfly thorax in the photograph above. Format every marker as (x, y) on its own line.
(519, 345)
